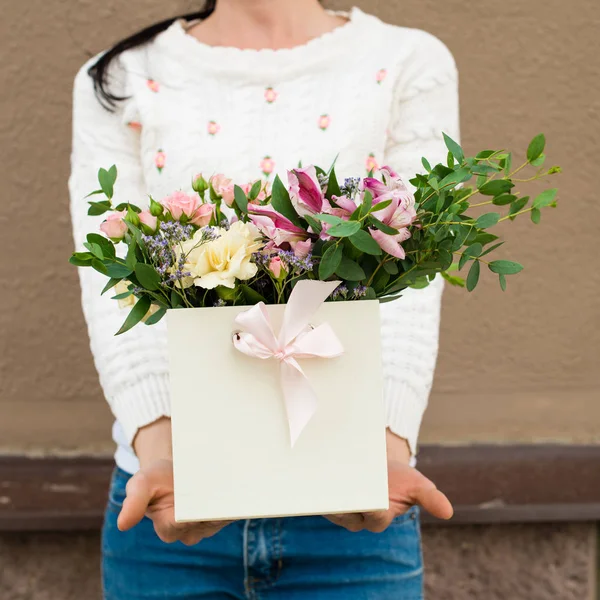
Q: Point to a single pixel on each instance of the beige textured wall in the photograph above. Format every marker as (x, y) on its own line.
(518, 366)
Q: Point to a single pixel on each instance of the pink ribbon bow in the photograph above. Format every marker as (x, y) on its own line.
(297, 339)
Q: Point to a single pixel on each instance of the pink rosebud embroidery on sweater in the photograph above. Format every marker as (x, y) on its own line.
(213, 128)
(270, 95)
(372, 164)
(160, 160)
(381, 75)
(135, 125)
(267, 165)
(324, 122)
(154, 86)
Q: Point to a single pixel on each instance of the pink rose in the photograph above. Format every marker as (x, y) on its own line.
(114, 227)
(203, 215)
(149, 220)
(275, 266)
(180, 204)
(223, 187)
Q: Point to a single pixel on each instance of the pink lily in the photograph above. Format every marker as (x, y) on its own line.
(389, 181)
(305, 191)
(275, 226)
(400, 214)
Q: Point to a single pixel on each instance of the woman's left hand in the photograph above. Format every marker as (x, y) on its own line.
(407, 487)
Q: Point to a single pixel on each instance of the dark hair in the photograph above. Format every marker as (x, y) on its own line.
(98, 71)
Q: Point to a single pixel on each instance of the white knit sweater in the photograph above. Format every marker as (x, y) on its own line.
(371, 92)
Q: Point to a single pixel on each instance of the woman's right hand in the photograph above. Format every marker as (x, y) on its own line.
(150, 491)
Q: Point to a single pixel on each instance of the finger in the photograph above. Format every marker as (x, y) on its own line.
(378, 522)
(353, 522)
(432, 500)
(136, 502)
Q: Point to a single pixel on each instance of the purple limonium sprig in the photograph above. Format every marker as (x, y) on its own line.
(261, 259)
(350, 187)
(360, 291)
(323, 180)
(220, 302)
(294, 264)
(180, 273)
(340, 292)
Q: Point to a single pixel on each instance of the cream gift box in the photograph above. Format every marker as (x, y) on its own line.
(232, 449)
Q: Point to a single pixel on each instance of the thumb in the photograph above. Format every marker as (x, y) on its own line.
(136, 502)
(431, 499)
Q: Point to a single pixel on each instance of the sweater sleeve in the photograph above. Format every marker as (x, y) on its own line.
(425, 105)
(132, 367)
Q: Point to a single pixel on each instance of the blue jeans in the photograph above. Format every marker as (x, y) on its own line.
(296, 558)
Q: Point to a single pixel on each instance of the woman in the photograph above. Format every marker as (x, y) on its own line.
(250, 88)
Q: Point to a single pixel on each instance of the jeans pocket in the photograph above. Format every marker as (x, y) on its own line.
(116, 492)
(411, 516)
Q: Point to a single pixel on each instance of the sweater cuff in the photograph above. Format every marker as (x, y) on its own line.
(142, 403)
(404, 408)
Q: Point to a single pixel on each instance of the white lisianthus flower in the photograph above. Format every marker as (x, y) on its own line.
(222, 260)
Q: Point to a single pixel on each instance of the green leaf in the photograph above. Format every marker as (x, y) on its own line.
(131, 258)
(454, 148)
(485, 154)
(333, 187)
(122, 296)
(496, 187)
(536, 215)
(98, 208)
(147, 276)
(485, 238)
(176, 299)
(127, 206)
(138, 312)
(280, 201)
(426, 164)
(545, 198)
(505, 267)
(314, 224)
(365, 243)
(156, 317)
(504, 199)
(473, 276)
(330, 261)
(382, 226)
(380, 206)
(518, 205)
(453, 279)
(502, 279)
(539, 161)
(391, 267)
(118, 270)
(536, 147)
(491, 249)
(95, 250)
(255, 189)
(456, 177)
(349, 270)
(99, 266)
(107, 181)
(108, 248)
(331, 219)
(240, 199)
(251, 296)
(344, 229)
(487, 220)
(470, 252)
(81, 259)
(370, 294)
(110, 285)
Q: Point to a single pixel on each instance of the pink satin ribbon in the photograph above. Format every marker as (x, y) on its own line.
(297, 339)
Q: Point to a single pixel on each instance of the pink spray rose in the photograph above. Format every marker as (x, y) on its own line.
(180, 203)
(149, 220)
(276, 266)
(114, 227)
(223, 187)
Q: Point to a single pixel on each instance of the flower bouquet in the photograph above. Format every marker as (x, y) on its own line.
(294, 272)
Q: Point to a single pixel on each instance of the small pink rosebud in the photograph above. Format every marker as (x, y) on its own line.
(372, 164)
(149, 220)
(381, 75)
(153, 86)
(213, 128)
(276, 266)
(324, 122)
(267, 164)
(115, 227)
